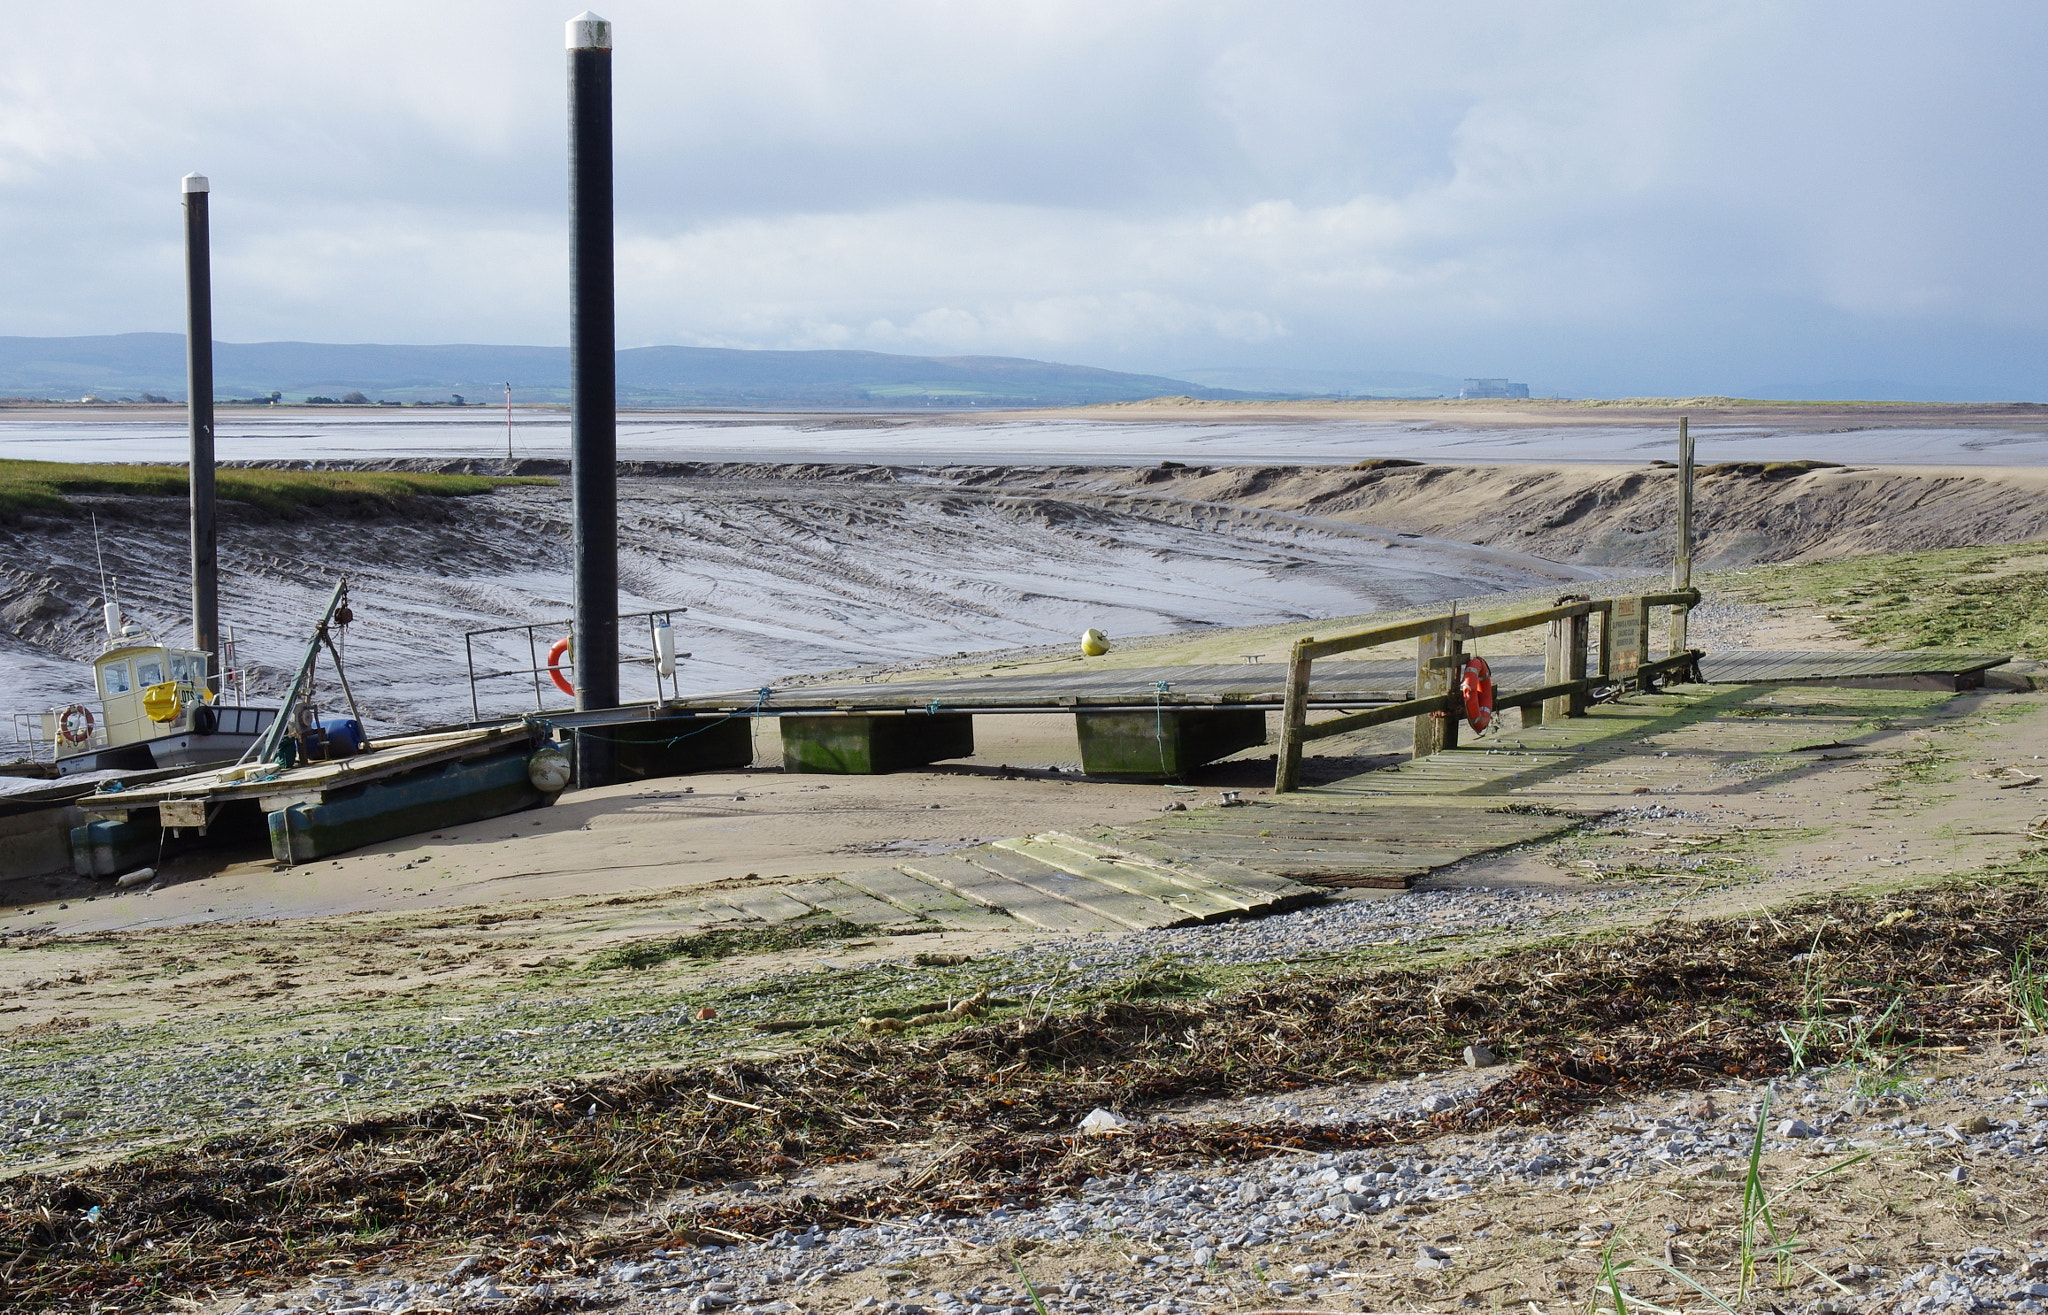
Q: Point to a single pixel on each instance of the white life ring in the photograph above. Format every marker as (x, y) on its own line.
(74, 724)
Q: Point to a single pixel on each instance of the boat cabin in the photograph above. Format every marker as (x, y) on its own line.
(146, 690)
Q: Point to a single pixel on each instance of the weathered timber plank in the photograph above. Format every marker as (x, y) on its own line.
(921, 898)
(766, 904)
(842, 900)
(1129, 876)
(956, 874)
(1250, 888)
(1413, 834)
(1457, 830)
(1133, 911)
(1234, 876)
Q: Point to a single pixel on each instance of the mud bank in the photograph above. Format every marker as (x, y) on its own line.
(1620, 516)
(784, 570)
(792, 569)
(1594, 514)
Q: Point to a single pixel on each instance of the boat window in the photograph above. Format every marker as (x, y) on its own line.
(177, 666)
(149, 673)
(115, 676)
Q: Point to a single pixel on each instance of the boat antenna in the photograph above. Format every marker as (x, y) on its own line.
(98, 554)
(110, 605)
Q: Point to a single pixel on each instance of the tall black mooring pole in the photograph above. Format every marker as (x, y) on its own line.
(593, 383)
(199, 415)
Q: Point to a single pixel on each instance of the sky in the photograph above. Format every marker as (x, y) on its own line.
(1599, 199)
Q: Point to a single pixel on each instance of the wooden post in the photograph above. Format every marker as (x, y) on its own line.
(1625, 649)
(1606, 668)
(1293, 716)
(1681, 562)
(1577, 630)
(1554, 646)
(1438, 655)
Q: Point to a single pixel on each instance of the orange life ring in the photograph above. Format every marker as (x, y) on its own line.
(1477, 687)
(74, 724)
(555, 654)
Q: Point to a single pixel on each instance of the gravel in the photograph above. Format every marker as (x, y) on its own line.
(65, 1098)
(1182, 1242)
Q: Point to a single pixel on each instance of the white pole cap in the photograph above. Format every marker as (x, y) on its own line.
(195, 183)
(589, 32)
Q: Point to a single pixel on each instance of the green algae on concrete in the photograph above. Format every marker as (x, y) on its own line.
(866, 745)
(1164, 742)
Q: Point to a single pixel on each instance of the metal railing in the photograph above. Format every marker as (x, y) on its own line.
(1438, 711)
(666, 685)
(30, 739)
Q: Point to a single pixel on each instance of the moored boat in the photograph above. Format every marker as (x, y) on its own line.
(155, 706)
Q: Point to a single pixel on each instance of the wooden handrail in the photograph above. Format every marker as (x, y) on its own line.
(1315, 648)
(1544, 617)
(1450, 633)
(1358, 721)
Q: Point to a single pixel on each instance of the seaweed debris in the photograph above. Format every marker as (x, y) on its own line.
(728, 942)
(519, 1180)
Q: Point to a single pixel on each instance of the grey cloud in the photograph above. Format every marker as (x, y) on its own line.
(1679, 197)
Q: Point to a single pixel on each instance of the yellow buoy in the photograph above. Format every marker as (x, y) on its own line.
(161, 701)
(1094, 643)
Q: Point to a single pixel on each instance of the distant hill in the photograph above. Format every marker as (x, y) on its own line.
(131, 364)
(1270, 381)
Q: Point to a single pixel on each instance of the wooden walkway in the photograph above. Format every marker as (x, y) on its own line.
(1757, 666)
(1050, 882)
(1335, 684)
(1381, 829)
(1387, 828)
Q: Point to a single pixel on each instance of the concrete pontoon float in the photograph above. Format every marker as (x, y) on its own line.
(404, 785)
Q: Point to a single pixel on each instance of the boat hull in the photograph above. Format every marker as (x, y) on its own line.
(435, 797)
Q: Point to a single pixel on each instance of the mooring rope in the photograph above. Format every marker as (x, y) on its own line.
(1159, 690)
(760, 702)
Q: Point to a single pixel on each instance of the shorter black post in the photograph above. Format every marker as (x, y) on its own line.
(199, 417)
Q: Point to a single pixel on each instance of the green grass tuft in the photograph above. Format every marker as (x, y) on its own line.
(41, 485)
(1163, 983)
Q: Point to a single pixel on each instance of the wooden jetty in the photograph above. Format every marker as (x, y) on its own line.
(1148, 723)
(1927, 668)
(1384, 829)
(1160, 722)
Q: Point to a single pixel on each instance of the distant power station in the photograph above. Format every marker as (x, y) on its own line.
(1493, 388)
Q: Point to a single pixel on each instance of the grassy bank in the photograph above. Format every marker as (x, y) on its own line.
(42, 485)
(1992, 598)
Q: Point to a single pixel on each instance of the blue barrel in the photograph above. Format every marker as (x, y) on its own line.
(344, 736)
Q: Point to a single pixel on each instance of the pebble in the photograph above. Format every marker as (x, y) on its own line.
(1101, 1122)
